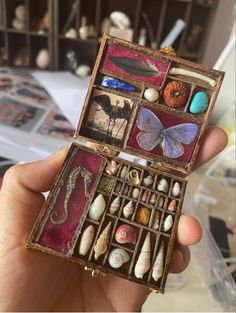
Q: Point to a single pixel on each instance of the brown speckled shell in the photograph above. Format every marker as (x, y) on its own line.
(175, 94)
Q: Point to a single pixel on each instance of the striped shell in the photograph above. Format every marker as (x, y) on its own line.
(125, 234)
(118, 257)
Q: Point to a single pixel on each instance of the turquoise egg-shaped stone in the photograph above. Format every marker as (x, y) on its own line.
(199, 102)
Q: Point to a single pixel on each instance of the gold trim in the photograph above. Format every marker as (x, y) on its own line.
(94, 273)
(168, 50)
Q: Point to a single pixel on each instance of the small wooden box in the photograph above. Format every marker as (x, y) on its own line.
(111, 214)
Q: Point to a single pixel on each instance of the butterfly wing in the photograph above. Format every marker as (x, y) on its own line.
(174, 136)
(150, 129)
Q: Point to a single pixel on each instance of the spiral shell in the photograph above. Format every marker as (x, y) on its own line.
(125, 234)
(133, 177)
(176, 189)
(111, 168)
(157, 270)
(97, 208)
(163, 185)
(118, 257)
(147, 181)
(102, 242)
(143, 264)
(86, 240)
(114, 205)
(128, 209)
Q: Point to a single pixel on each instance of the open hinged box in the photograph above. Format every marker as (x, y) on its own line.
(112, 215)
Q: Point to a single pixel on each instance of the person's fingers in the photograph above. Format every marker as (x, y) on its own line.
(189, 231)
(180, 259)
(213, 142)
(20, 196)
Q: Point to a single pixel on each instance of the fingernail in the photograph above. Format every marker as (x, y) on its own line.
(60, 152)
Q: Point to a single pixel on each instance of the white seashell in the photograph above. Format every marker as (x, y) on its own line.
(86, 240)
(97, 208)
(147, 181)
(133, 177)
(120, 19)
(135, 193)
(102, 243)
(20, 13)
(143, 264)
(118, 257)
(42, 59)
(176, 189)
(83, 70)
(156, 220)
(168, 223)
(157, 270)
(153, 198)
(182, 71)
(163, 185)
(17, 24)
(114, 205)
(124, 172)
(128, 209)
(151, 94)
(111, 168)
(71, 33)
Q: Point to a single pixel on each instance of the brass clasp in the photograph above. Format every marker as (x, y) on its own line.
(94, 273)
(168, 50)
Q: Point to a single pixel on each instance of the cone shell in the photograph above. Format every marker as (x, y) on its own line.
(125, 234)
(153, 198)
(158, 266)
(86, 240)
(133, 177)
(111, 168)
(115, 205)
(163, 185)
(128, 209)
(97, 208)
(143, 264)
(147, 181)
(102, 242)
(124, 172)
(156, 220)
(118, 257)
(135, 193)
(168, 223)
(142, 216)
(172, 206)
(176, 189)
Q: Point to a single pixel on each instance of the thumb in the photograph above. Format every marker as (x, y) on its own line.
(20, 196)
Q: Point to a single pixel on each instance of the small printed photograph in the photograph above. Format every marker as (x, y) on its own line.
(107, 117)
(135, 66)
(57, 126)
(19, 115)
(5, 164)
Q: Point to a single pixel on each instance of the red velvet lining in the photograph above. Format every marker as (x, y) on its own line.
(59, 237)
(167, 120)
(113, 50)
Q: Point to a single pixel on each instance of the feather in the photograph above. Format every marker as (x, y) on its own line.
(135, 67)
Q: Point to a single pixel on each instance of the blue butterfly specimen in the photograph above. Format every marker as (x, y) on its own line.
(153, 133)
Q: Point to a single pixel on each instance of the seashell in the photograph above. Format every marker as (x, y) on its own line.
(125, 190)
(18, 24)
(120, 20)
(86, 240)
(71, 33)
(153, 198)
(147, 181)
(124, 172)
(102, 242)
(151, 94)
(135, 193)
(144, 196)
(168, 223)
(143, 264)
(43, 59)
(114, 205)
(125, 234)
(118, 257)
(111, 168)
(83, 70)
(128, 209)
(156, 220)
(160, 202)
(118, 187)
(142, 216)
(21, 13)
(163, 185)
(172, 206)
(133, 177)
(97, 208)
(176, 189)
(158, 266)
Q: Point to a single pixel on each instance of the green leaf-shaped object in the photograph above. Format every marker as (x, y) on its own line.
(135, 67)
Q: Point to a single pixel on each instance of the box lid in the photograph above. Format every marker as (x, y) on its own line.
(148, 103)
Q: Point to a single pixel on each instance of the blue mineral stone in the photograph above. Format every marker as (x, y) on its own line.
(115, 83)
(199, 102)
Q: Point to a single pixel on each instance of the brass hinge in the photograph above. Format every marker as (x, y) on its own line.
(94, 273)
(102, 149)
(159, 166)
(168, 50)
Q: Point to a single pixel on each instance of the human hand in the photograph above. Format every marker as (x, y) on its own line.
(32, 281)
